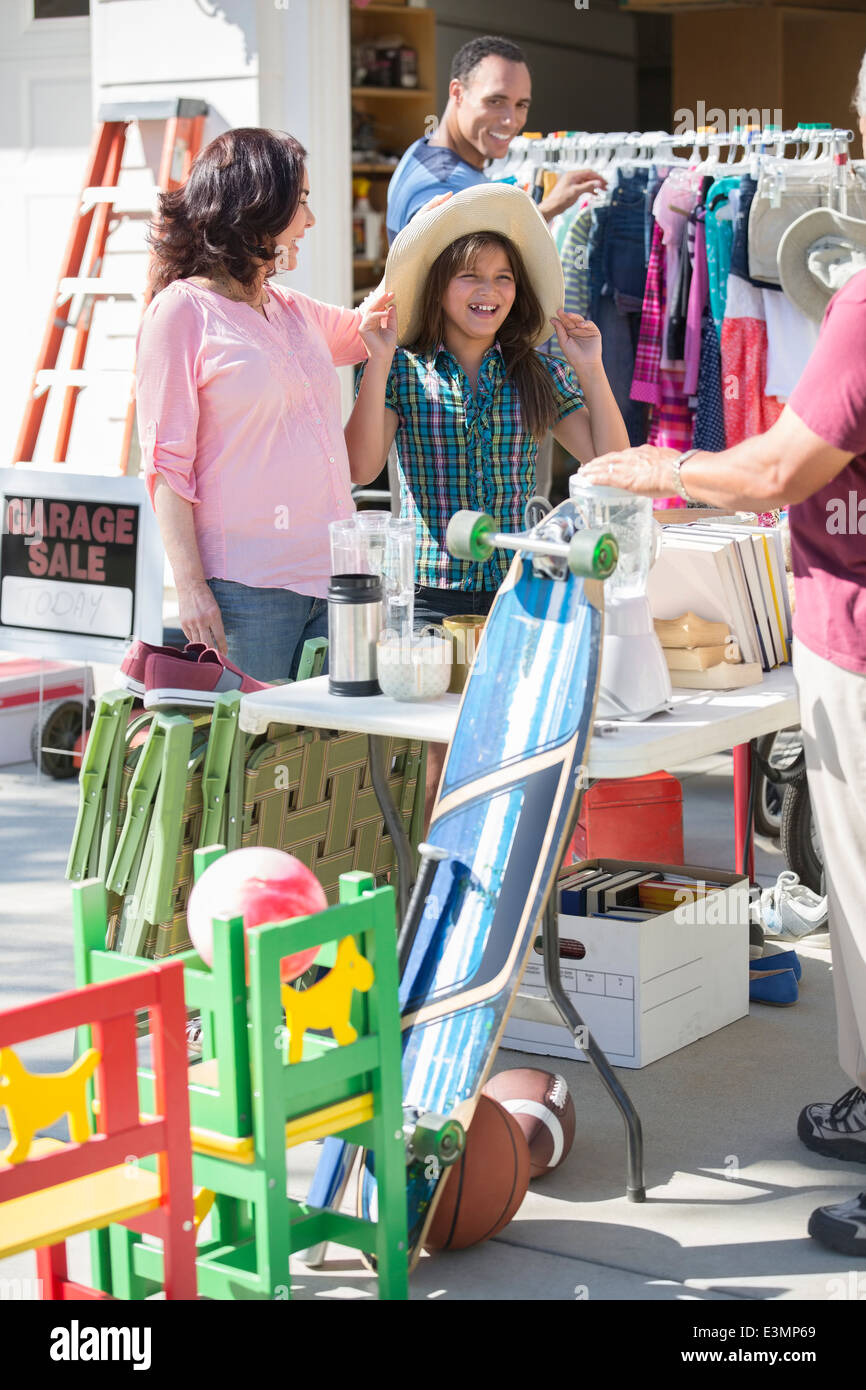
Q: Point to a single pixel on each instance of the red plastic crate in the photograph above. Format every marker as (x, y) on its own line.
(631, 818)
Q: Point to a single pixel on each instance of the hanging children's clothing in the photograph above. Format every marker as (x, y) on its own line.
(744, 363)
(677, 264)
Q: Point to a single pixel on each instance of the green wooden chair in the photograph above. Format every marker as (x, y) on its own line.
(249, 1103)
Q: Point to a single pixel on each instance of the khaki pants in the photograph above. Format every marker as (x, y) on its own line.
(833, 719)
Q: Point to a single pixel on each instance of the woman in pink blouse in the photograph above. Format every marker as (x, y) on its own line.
(239, 404)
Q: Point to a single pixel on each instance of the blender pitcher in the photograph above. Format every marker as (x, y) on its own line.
(635, 681)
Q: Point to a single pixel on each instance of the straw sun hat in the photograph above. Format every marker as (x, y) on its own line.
(818, 254)
(487, 207)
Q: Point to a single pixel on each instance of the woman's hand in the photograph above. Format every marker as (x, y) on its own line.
(646, 470)
(378, 326)
(579, 340)
(434, 202)
(200, 616)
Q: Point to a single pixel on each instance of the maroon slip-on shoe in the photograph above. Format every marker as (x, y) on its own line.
(130, 674)
(173, 680)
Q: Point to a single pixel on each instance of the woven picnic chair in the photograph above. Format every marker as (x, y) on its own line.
(144, 810)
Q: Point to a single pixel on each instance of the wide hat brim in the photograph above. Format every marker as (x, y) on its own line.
(820, 241)
(487, 207)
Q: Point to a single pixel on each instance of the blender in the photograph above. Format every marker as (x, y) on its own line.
(635, 681)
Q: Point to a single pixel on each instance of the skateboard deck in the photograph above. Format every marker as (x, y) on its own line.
(508, 799)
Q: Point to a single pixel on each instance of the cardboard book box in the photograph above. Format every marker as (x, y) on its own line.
(643, 988)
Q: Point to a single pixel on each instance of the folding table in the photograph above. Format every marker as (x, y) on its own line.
(700, 722)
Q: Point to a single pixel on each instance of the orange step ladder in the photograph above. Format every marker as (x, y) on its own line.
(81, 268)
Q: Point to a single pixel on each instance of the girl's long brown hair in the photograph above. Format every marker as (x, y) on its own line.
(535, 390)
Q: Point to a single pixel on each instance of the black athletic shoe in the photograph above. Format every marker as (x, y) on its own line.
(838, 1129)
(841, 1227)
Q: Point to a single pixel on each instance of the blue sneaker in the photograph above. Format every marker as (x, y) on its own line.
(780, 960)
(777, 987)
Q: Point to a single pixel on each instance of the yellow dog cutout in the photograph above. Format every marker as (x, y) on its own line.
(34, 1101)
(328, 1003)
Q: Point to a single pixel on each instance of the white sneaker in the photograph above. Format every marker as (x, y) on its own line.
(791, 909)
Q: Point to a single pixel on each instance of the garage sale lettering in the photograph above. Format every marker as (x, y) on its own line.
(75, 535)
(69, 565)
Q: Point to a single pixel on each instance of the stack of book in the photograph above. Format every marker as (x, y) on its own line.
(702, 655)
(629, 896)
(729, 574)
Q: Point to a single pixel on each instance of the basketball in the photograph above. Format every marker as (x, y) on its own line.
(540, 1103)
(487, 1183)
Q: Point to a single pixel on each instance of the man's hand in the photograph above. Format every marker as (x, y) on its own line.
(200, 617)
(646, 470)
(378, 327)
(569, 187)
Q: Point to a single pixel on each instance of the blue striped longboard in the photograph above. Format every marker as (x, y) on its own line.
(509, 796)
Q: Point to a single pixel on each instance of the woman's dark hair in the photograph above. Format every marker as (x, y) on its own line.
(535, 390)
(243, 190)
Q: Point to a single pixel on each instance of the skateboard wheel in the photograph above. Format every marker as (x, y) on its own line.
(593, 554)
(466, 534)
(436, 1137)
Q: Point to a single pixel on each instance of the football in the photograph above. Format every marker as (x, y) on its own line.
(542, 1106)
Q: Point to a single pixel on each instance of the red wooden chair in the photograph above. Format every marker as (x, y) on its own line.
(50, 1190)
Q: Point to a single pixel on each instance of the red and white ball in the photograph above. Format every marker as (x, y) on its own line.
(260, 885)
(543, 1108)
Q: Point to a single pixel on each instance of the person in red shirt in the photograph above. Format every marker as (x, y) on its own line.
(813, 459)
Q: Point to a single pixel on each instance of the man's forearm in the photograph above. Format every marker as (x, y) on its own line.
(761, 472)
(177, 528)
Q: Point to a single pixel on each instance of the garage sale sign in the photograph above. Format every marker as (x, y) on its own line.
(81, 564)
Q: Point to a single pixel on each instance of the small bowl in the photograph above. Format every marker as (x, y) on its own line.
(414, 668)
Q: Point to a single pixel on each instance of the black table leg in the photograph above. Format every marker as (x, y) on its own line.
(378, 745)
(635, 1188)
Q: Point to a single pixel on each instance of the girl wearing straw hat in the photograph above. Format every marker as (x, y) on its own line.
(453, 378)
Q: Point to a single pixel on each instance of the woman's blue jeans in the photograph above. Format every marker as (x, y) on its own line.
(266, 628)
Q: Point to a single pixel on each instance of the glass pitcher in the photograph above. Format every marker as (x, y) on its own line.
(630, 519)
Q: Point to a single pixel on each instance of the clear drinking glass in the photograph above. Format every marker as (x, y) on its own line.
(373, 534)
(630, 519)
(400, 574)
(345, 547)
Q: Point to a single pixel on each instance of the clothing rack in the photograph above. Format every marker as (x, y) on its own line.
(700, 345)
(547, 151)
(816, 144)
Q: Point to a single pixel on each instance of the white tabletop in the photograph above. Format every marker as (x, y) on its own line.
(701, 722)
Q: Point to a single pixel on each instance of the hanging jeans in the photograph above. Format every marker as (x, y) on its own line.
(619, 298)
(624, 260)
(618, 321)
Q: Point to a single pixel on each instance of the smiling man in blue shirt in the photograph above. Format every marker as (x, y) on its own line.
(488, 104)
